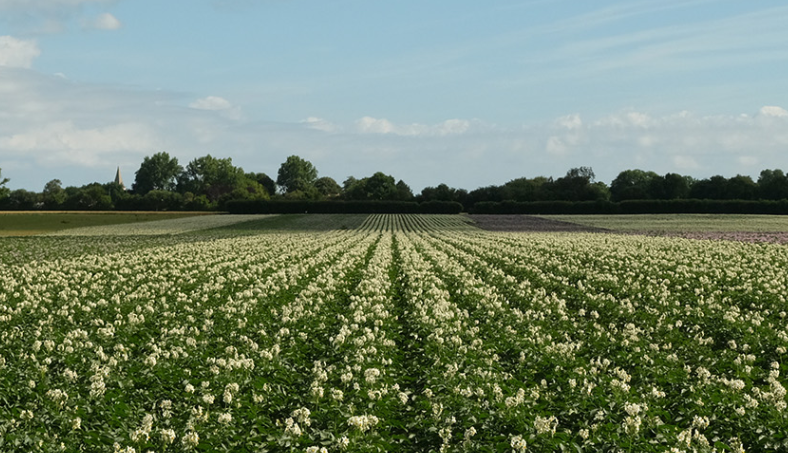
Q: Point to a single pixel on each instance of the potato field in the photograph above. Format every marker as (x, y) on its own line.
(392, 333)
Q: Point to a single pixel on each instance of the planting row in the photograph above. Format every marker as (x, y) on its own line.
(412, 333)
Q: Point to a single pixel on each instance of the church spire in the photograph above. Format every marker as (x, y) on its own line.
(119, 179)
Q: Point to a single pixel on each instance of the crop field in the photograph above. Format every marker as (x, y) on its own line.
(391, 333)
(28, 223)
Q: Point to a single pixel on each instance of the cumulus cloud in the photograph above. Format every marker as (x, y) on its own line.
(211, 103)
(773, 111)
(370, 125)
(55, 16)
(320, 124)
(17, 53)
(66, 143)
(44, 5)
(105, 21)
(217, 104)
(51, 127)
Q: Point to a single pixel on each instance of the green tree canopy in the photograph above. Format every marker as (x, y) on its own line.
(328, 187)
(634, 185)
(264, 180)
(773, 185)
(296, 174)
(404, 192)
(525, 189)
(53, 194)
(3, 181)
(157, 172)
(211, 177)
(379, 186)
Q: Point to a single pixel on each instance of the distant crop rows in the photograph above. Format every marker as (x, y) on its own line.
(411, 333)
(159, 227)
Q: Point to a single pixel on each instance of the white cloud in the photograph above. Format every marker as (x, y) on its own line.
(570, 122)
(218, 104)
(211, 103)
(64, 137)
(773, 111)
(55, 16)
(52, 127)
(370, 125)
(105, 21)
(320, 124)
(17, 53)
(44, 5)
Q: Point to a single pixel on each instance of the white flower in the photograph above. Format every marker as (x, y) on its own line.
(190, 440)
(225, 418)
(518, 444)
(544, 425)
(363, 422)
(167, 436)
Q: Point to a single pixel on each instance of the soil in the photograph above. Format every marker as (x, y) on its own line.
(527, 223)
(502, 222)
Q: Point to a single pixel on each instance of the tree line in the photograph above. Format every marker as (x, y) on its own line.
(210, 183)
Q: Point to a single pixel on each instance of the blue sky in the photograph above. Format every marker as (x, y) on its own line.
(462, 92)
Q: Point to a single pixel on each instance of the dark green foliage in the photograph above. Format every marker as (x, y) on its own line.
(377, 187)
(440, 207)
(157, 172)
(264, 180)
(296, 174)
(634, 185)
(53, 195)
(328, 187)
(3, 190)
(21, 200)
(773, 185)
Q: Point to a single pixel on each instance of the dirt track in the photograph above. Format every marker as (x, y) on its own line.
(504, 222)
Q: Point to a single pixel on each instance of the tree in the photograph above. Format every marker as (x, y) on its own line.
(379, 186)
(578, 185)
(709, 189)
(635, 185)
(296, 174)
(90, 197)
(741, 187)
(22, 200)
(328, 187)
(265, 181)
(211, 177)
(673, 186)
(773, 185)
(524, 189)
(162, 200)
(404, 193)
(487, 193)
(3, 181)
(440, 193)
(157, 172)
(53, 195)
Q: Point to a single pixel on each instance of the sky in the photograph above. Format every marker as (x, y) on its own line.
(463, 92)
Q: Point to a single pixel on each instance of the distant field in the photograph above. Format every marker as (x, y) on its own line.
(680, 223)
(15, 223)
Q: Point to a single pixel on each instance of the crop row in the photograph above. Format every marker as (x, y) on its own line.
(412, 333)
